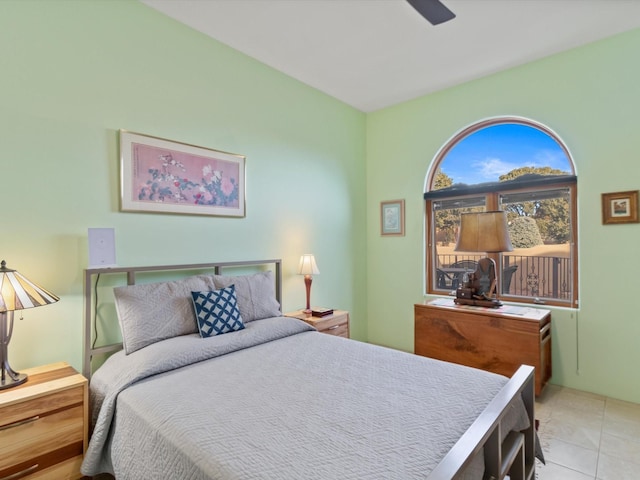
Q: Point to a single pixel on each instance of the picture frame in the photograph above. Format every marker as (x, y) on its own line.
(164, 176)
(620, 207)
(392, 218)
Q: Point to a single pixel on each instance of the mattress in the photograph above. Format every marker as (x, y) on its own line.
(279, 401)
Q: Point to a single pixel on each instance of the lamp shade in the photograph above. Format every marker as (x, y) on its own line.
(308, 265)
(18, 293)
(484, 232)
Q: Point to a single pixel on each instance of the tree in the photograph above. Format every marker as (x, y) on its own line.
(553, 220)
(518, 172)
(441, 180)
(551, 215)
(524, 232)
(446, 220)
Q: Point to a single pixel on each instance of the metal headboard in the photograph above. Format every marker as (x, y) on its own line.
(217, 267)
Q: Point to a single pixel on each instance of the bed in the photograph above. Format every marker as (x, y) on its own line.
(274, 399)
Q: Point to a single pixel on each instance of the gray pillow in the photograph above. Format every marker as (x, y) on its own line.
(256, 294)
(151, 312)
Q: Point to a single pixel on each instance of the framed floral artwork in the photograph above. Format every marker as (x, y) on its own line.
(392, 217)
(163, 176)
(620, 207)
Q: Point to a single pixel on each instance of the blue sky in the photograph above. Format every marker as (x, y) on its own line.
(493, 151)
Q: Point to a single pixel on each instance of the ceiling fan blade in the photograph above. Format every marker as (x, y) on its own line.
(433, 10)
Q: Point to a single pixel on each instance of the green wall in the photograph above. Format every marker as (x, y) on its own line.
(590, 97)
(75, 72)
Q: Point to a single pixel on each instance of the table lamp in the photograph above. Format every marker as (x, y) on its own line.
(307, 268)
(485, 232)
(16, 293)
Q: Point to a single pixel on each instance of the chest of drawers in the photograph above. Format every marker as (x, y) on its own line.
(485, 338)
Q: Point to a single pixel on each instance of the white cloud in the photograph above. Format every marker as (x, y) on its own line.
(551, 158)
(490, 169)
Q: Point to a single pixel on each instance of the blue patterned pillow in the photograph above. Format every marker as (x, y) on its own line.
(217, 312)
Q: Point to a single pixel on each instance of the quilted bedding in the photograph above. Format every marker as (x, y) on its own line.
(280, 401)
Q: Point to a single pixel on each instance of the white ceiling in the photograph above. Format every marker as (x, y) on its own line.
(375, 53)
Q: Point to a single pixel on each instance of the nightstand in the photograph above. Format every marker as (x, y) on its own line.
(44, 424)
(335, 324)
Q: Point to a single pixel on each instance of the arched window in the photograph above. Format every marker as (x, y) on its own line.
(521, 167)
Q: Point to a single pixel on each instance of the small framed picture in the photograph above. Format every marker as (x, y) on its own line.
(620, 207)
(392, 217)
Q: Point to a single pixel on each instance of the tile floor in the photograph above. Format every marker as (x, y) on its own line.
(587, 437)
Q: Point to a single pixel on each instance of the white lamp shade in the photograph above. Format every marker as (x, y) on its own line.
(308, 265)
(18, 293)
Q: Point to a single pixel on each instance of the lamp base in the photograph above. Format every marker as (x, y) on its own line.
(10, 381)
(8, 376)
(489, 303)
(307, 284)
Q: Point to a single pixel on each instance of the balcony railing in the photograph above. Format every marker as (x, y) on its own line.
(534, 276)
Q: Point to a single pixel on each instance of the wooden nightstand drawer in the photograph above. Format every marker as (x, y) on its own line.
(40, 406)
(339, 331)
(327, 323)
(43, 425)
(338, 327)
(65, 470)
(61, 464)
(39, 435)
(336, 324)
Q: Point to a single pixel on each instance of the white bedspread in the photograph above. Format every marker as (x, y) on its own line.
(296, 405)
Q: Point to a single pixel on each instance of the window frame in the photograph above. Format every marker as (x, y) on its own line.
(492, 202)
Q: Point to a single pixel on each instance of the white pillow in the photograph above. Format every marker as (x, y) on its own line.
(256, 294)
(151, 312)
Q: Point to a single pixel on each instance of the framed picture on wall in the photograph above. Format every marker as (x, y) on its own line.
(392, 217)
(620, 207)
(164, 176)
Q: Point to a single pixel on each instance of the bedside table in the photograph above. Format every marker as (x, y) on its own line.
(44, 424)
(335, 324)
